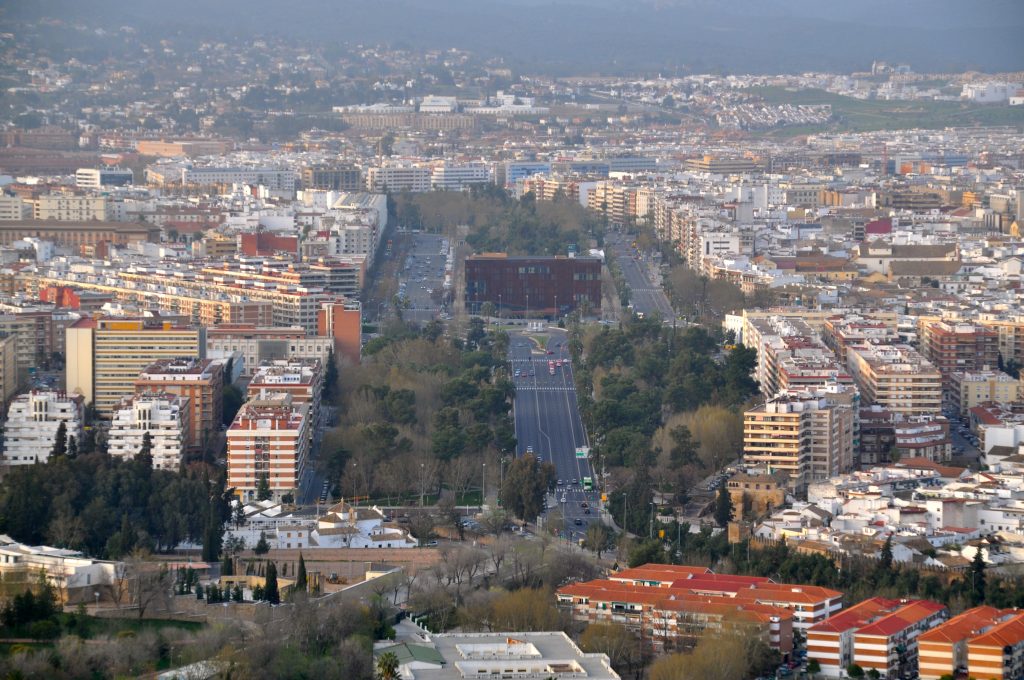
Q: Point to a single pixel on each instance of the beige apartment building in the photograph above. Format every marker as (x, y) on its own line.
(105, 357)
(70, 208)
(971, 388)
(807, 435)
(895, 377)
(9, 377)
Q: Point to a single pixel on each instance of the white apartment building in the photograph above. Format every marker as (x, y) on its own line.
(398, 178)
(71, 208)
(32, 423)
(94, 178)
(275, 180)
(457, 177)
(167, 419)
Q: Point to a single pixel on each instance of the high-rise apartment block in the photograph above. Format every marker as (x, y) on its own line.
(302, 379)
(270, 437)
(807, 435)
(32, 424)
(895, 377)
(201, 382)
(165, 417)
(106, 356)
(954, 347)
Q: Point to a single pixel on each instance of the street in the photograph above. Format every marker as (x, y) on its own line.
(645, 297)
(422, 276)
(548, 424)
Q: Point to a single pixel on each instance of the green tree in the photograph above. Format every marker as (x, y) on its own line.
(72, 447)
(885, 560)
(648, 552)
(723, 507)
(525, 487)
(977, 576)
(387, 667)
(271, 593)
(145, 454)
(236, 593)
(262, 547)
(60, 441)
(263, 492)
(855, 671)
(813, 667)
(300, 577)
(597, 538)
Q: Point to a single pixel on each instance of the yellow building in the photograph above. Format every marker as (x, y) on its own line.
(105, 356)
(971, 388)
(895, 377)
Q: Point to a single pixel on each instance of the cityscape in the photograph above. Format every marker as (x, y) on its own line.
(667, 340)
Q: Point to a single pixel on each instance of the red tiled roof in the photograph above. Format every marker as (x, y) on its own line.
(963, 626)
(1008, 633)
(904, 617)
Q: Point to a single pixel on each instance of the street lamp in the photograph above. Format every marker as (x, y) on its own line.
(97, 594)
(423, 484)
(483, 487)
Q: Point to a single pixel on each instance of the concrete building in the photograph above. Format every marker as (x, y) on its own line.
(10, 380)
(457, 656)
(806, 435)
(32, 423)
(342, 322)
(332, 178)
(275, 180)
(943, 650)
(201, 382)
(95, 178)
(532, 286)
(895, 377)
(968, 389)
(165, 417)
(954, 347)
(105, 357)
(74, 577)
(998, 652)
(875, 634)
(270, 437)
(302, 379)
(14, 209)
(404, 177)
(260, 344)
(70, 208)
(451, 177)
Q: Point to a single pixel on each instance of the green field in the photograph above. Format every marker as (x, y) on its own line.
(860, 115)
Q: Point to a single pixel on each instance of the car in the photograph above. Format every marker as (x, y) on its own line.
(559, 483)
(529, 449)
(575, 481)
(584, 504)
(517, 373)
(586, 511)
(431, 544)
(563, 498)
(578, 522)
(550, 352)
(532, 373)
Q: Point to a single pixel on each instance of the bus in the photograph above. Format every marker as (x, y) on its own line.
(588, 484)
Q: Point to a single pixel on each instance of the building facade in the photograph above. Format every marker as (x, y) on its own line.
(165, 417)
(533, 286)
(269, 438)
(201, 382)
(32, 424)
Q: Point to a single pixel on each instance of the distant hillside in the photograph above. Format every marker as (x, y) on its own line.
(601, 36)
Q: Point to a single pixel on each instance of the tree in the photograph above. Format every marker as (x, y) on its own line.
(271, 593)
(145, 454)
(526, 486)
(855, 671)
(331, 377)
(874, 674)
(646, 553)
(262, 547)
(60, 441)
(387, 667)
(300, 577)
(977, 585)
(615, 641)
(72, 447)
(150, 583)
(236, 593)
(885, 560)
(263, 492)
(813, 667)
(596, 538)
(723, 507)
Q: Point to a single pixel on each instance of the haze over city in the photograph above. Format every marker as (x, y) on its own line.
(662, 340)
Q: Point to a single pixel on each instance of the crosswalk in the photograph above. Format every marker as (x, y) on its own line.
(528, 387)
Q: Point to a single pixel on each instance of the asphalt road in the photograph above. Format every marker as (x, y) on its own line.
(547, 420)
(644, 295)
(421, 276)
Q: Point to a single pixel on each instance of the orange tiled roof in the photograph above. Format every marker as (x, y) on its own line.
(1008, 633)
(965, 625)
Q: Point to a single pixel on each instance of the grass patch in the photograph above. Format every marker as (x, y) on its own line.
(861, 115)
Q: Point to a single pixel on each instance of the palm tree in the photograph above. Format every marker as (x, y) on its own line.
(387, 667)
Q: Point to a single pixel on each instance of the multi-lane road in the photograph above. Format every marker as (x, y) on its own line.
(643, 294)
(422, 276)
(548, 424)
